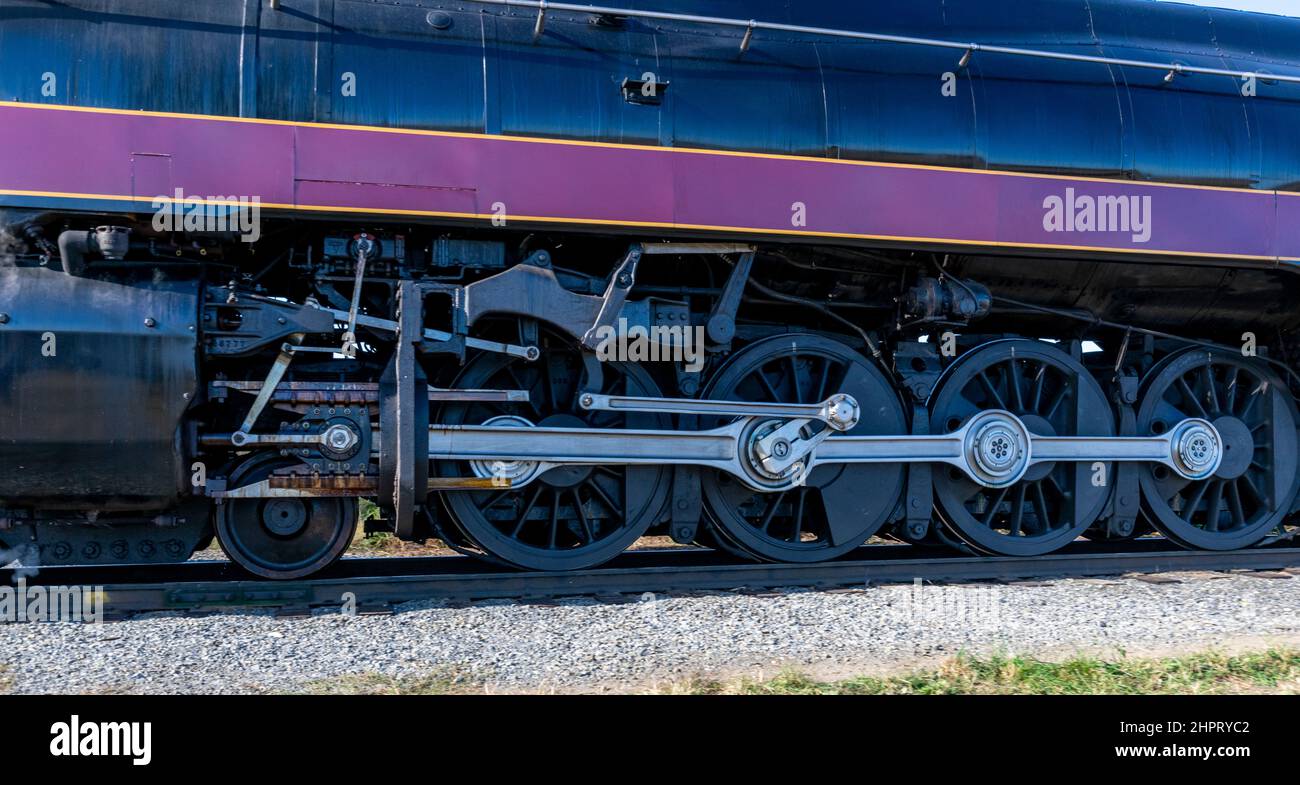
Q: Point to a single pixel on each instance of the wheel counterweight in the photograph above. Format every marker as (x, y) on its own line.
(1053, 395)
(1255, 483)
(570, 517)
(838, 506)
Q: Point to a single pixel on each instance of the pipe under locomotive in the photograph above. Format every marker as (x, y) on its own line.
(539, 280)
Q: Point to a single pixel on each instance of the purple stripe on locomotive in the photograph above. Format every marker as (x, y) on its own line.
(66, 151)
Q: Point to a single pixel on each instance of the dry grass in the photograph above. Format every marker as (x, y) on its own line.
(1274, 671)
(440, 681)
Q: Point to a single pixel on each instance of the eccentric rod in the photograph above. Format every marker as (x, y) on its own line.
(967, 46)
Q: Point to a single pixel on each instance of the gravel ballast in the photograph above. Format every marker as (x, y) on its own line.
(585, 645)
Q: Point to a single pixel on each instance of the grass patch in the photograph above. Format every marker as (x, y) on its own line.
(442, 681)
(1271, 671)
(7, 681)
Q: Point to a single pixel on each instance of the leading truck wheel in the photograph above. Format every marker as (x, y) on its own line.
(1053, 395)
(282, 538)
(1255, 416)
(839, 506)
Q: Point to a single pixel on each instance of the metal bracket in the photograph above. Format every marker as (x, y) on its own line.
(620, 283)
(721, 325)
(539, 26)
(687, 504)
(273, 378)
(919, 500)
(241, 324)
(404, 416)
(1125, 495)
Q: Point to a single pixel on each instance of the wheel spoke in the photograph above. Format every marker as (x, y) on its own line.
(823, 379)
(993, 508)
(1211, 395)
(1250, 486)
(1056, 488)
(1056, 402)
(495, 498)
(604, 497)
(771, 511)
(1234, 504)
(794, 379)
(582, 515)
(1040, 505)
(1212, 507)
(990, 390)
(528, 508)
(767, 386)
(555, 519)
(1040, 379)
(1018, 510)
(1013, 382)
(1251, 398)
(1190, 397)
(1191, 504)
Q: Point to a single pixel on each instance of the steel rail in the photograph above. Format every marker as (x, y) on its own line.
(379, 585)
(970, 47)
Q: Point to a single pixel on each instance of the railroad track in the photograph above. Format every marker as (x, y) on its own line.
(380, 584)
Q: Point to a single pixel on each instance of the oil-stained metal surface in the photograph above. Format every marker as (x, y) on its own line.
(94, 378)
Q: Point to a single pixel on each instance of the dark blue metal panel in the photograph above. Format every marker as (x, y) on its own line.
(1253, 42)
(1194, 129)
(124, 54)
(463, 67)
(568, 82)
(408, 73)
(868, 84)
(289, 46)
(768, 100)
(1042, 115)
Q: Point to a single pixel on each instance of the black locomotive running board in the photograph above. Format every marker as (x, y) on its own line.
(372, 585)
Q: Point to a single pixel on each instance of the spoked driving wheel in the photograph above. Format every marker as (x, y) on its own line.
(287, 537)
(839, 506)
(1053, 395)
(570, 517)
(1255, 416)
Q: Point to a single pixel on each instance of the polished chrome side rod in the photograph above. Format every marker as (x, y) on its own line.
(993, 448)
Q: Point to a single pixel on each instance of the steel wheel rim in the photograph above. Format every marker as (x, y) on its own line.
(1054, 395)
(569, 518)
(829, 515)
(1232, 392)
(283, 538)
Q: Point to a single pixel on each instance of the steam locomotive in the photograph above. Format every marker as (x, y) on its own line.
(540, 279)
